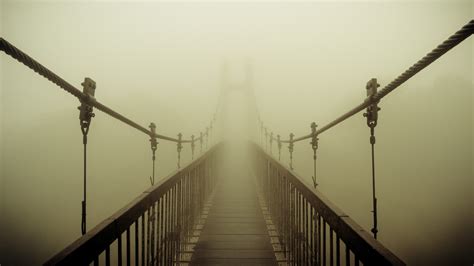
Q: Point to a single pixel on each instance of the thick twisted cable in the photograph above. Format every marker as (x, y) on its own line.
(447, 45)
(466, 31)
(19, 55)
(25, 59)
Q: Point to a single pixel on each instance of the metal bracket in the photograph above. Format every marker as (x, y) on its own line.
(314, 146)
(86, 114)
(266, 139)
(200, 140)
(85, 118)
(290, 148)
(192, 147)
(153, 141)
(279, 146)
(372, 110)
(207, 137)
(153, 145)
(372, 116)
(179, 148)
(271, 142)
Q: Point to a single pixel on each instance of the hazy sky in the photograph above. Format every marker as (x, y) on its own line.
(161, 62)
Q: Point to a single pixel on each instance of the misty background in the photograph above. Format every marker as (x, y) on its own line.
(161, 62)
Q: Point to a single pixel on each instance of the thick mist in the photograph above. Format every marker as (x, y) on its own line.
(162, 62)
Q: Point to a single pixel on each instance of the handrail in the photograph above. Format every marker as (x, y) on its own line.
(455, 39)
(301, 213)
(28, 61)
(183, 193)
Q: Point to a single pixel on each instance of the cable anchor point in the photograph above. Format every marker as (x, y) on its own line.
(85, 118)
(314, 146)
(279, 146)
(192, 147)
(372, 116)
(86, 110)
(271, 143)
(153, 145)
(207, 137)
(266, 139)
(200, 140)
(179, 149)
(290, 148)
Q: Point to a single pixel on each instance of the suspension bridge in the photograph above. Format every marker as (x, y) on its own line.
(203, 215)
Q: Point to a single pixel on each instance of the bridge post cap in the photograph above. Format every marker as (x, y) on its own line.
(152, 127)
(372, 110)
(180, 145)
(371, 87)
(88, 87)
(86, 110)
(153, 141)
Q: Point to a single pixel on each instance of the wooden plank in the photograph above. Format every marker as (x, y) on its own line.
(235, 231)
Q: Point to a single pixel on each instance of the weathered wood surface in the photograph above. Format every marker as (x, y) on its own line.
(235, 232)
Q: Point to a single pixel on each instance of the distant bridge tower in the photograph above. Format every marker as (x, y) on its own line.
(237, 102)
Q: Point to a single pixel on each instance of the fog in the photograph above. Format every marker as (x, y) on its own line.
(162, 62)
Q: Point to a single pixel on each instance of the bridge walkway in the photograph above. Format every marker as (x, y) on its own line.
(235, 232)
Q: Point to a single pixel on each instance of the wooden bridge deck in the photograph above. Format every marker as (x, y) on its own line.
(234, 232)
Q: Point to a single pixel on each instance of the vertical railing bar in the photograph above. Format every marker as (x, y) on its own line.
(319, 238)
(291, 227)
(168, 235)
(107, 256)
(324, 242)
(148, 224)
(162, 232)
(153, 233)
(165, 228)
(313, 231)
(143, 240)
(331, 253)
(136, 242)
(178, 221)
(128, 246)
(119, 249)
(170, 228)
(298, 227)
(306, 236)
(348, 256)
(338, 250)
(174, 232)
(300, 223)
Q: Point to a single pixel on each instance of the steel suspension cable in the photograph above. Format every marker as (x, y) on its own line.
(85, 119)
(455, 39)
(83, 205)
(28, 61)
(372, 117)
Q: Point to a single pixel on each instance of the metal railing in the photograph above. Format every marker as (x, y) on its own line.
(88, 102)
(152, 229)
(371, 104)
(312, 230)
(458, 37)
